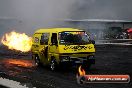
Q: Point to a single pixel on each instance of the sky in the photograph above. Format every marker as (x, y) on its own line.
(28, 15)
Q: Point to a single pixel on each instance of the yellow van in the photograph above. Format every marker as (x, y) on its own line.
(62, 46)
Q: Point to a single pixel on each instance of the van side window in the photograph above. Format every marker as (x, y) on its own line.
(36, 40)
(54, 39)
(44, 39)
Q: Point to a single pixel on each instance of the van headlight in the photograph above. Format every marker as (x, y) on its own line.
(91, 57)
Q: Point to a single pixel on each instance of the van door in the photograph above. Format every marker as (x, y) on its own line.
(44, 47)
(53, 44)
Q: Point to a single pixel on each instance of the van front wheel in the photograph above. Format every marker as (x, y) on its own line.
(86, 66)
(37, 60)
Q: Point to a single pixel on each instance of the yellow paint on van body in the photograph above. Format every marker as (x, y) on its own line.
(59, 51)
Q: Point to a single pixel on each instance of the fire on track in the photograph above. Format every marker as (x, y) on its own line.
(13, 67)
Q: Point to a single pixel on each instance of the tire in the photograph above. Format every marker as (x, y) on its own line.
(37, 60)
(53, 65)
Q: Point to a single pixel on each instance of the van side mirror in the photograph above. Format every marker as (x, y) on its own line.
(54, 42)
(92, 41)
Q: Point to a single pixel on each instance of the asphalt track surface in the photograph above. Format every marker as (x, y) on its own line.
(110, 59)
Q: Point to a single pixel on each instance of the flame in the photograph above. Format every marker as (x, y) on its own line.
(81, 71)
(17, 41)
(22, 63)
(14, 67)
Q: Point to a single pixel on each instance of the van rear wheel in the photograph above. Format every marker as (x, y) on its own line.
(37, 60)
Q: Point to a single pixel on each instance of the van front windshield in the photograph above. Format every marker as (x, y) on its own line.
(73, 38)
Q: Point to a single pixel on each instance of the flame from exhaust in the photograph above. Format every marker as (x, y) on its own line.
(81, 71)
(17, 41)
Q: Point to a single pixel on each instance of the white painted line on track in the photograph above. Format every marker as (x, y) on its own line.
(11, 84)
